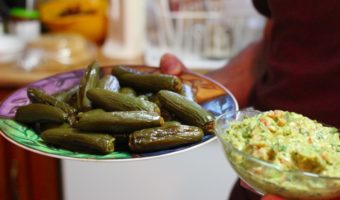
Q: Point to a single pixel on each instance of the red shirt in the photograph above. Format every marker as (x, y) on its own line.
(303, 69)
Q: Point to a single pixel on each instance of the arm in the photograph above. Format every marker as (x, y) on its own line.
(243, 70)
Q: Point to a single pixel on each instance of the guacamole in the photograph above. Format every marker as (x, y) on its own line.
(290, 142)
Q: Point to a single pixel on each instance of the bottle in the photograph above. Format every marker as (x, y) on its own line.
(24, 23)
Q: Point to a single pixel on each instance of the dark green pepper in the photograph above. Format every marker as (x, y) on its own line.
(171, 123)
(151, 82)
(143, 97)
(160, 138)
(93, 111)
(120, 70)
(41, 127)
(128, 91)
(186, 110)
(118, 122)
(38, 96)
(65, 96)
(114, 101)
(89, 80)
(75, 140)
(168, 116)
(36, 112)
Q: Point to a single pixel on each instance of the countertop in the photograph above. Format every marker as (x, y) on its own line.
(14, 77)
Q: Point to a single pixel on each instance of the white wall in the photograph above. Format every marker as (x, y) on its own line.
(199, 174)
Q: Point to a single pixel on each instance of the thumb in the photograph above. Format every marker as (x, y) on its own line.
(170, 64)
(271, 197)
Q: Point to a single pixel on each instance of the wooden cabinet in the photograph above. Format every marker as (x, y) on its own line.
(25, 175)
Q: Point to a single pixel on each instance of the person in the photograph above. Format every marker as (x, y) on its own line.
(294, 67)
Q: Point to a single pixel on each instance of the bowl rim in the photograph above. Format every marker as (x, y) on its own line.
(263, 162)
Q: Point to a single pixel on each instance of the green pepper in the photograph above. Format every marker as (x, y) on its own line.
(75, 140)
(89, 80)
(37, 112)
(114, 101)
(186, 110)
(38, 96)
(118, 122)
(165, 137)
(151, 82)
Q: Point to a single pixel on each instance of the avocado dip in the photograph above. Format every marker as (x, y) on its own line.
(290, 142)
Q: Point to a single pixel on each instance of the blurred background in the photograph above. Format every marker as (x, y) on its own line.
(39, 38)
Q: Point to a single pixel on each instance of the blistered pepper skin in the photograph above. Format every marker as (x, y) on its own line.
(188, 111)
(76, 140)
(114, 101)
(160, 138)
(37, 113)
(118, 122)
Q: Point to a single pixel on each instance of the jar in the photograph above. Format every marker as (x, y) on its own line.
(24, 23)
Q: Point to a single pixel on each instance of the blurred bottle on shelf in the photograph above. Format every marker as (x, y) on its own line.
(126, 34)
(23, 19)
(24, 23)
(85, 17)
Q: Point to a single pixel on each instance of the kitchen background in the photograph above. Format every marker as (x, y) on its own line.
(41, 38)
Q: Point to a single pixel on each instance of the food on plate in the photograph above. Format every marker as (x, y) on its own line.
(66, 96)
(152, 82)
(36, 112)
(128, 91)
(158, 138)
(89, 81)
(115, 101)
(188, 111)
(118, 71)
(74, 139)
(106, 113)
(118, 122)
(38, 96)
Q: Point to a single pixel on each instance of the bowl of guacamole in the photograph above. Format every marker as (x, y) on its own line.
(282, 153)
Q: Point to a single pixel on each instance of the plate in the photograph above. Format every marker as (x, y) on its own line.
(210, 94)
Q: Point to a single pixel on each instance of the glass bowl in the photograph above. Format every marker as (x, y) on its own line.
(267, 178)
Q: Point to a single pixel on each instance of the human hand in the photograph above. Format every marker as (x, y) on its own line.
(170, 64)
(274, 197)
(267, 196)
(271, 197)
